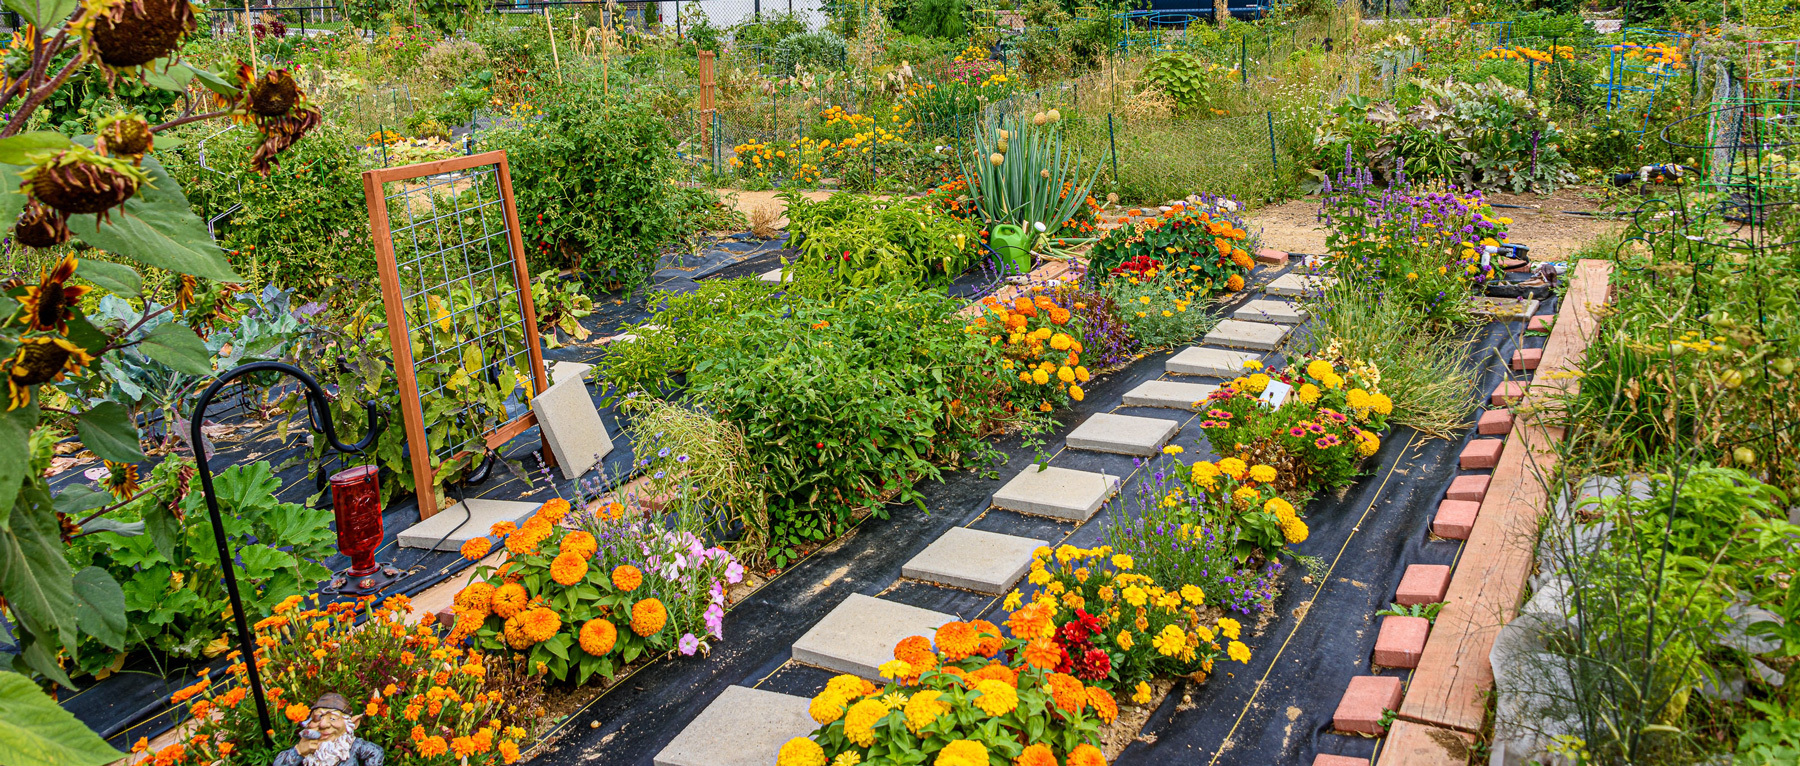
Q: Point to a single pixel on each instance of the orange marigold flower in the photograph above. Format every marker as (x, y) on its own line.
(598, 637)
(509, 599)
(433, 746)
(476, 548)
(1067, 692)
(1104, 704)
(988, 641)
(648, 617)
(540, 624)
(525, 540)
(297, 712)
(581, 544)
(1036, 755)
(997, 671)
(1086, 755)
(509, 752)
(568, 568)
(1044, 654)
(627, 578)
(476, 597)
(1234, 283)
(957, 640)
(1030, 621)
(553, 511)
(502, 529)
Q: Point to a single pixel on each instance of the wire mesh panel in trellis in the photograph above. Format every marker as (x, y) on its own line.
(458, 300)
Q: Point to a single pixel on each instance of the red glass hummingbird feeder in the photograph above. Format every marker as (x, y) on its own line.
(356, 503)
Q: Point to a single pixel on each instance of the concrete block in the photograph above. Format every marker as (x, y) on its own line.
(1423, 584)
(1060, 493)
(1468, 488)
(861, 633)
(1123, 434)
(1168, 393)
(773, 275)
(1271, 257)
(572, 426)
(1270, 311)
(1455, 519)
(481, 515)
(742, 727)
(1257, 336)
(1364, 702)
(1482, 453)
(1495, 422)
(564, 370)
(1401, 641)
(984, 562)
(1214, 362)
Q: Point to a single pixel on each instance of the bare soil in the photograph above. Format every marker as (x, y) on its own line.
(1539, 222)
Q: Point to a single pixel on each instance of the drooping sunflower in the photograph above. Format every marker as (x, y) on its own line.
(125, 34)
(122, 480)
(49, 303)
(273, 103)
(43, 359)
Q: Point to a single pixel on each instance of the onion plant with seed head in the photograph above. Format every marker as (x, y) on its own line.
(1016, 173)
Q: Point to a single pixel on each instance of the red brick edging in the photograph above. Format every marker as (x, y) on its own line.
(1446, 699)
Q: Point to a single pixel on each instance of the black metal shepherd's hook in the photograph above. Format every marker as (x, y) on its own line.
(321, 419)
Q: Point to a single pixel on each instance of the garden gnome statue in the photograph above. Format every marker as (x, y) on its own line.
(328, 738)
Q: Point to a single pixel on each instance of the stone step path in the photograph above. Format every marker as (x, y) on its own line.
(984, 562)
(1211, 362)
(1238, 333)
(860, 634)
(1122, 434)
(1170, 394)
(742, 727)
(1060, 493)
(1271, 311)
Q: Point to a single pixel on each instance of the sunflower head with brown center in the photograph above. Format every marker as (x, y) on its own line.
(126, 34)
(49, 303)
(76, 181)
(39, 360)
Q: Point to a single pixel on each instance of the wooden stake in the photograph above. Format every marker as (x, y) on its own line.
(554, 56)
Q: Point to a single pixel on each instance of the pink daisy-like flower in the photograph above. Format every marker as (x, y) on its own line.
(1326, 442)
(1296, 432)
(1209, 424)
(1315, 428)
(1219, 414)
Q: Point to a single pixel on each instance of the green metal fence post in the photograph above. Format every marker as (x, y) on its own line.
(1274, 164)
(1112, 141)
(1243, 59)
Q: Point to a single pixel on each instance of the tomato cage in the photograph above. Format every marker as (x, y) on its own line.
(1644, 61)
(1772, 67)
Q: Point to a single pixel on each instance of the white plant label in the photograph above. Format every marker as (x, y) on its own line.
(1276, 394)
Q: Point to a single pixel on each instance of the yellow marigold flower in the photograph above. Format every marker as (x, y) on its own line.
(1124, 640)
(895, 670)
(1256, 383)
(1061, 342)
(1039, 577)
(847, 758)
(849, 686)
(1294, 530)
(1141, 694)
(1122, 561)
(924, 708)
(1204, 471)
(1381, 404)
(1358, 399)
(1319, 368)
(1193, 594)
(648, 617)
(1233, 467)
(1076, 393)
(568, 568)
(1230, 627)
(1173, 449)
(1238, 651)
(1367, 443)
(1012, 601)
(1135, 595)
(1282, 509)
(1170, 641)
(996, 697)
(962, 752)
(1244, 494)
(1308, 393)
(800, 751)
(1106, 593)
(1040, 377)
(860, 720)
(1263, 473)
(1334, 381)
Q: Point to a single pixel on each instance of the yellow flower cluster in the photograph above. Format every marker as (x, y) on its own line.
(1522, 53)
(1038, 342)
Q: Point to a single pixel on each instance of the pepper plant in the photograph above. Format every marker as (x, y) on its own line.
(108, 191)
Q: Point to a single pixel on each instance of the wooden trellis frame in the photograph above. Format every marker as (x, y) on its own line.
(464, 263)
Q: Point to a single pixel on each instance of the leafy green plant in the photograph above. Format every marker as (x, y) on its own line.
(1429, 374)
(1193, 83)
(1427, 611)
(851, 240)
(1020, 173)
(1159, 307)
(821, 49)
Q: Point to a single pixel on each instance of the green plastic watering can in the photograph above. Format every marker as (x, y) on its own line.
(1013, 244)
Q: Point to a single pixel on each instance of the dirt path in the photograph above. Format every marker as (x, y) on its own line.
(1539, 223)
(750, 201)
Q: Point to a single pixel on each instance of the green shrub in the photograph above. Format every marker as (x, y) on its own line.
(937, 18)
(1158, 307)
(814, 50)
(851, 240)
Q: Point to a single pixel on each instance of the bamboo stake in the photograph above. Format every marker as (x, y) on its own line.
(554, 56)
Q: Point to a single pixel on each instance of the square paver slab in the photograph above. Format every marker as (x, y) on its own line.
(1123, 434)
(1168, 393)
(1061, 493)
(1468, 488)
(1482, 453)
(1265, 310)
(572, 426)
(1455, 519)
(1237, 333)
(1401, 641)
(984, 562)
(481, 515)
(1215, 362)
(860, 634)
(773, 275)
(1495, 422)
(1292, 285)
(1361, 709)
(1503, 309)
(742, 727)
(1423, 584)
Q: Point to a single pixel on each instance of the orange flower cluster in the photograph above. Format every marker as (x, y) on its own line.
(1040, 343)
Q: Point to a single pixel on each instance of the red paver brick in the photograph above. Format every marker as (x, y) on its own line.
(1401, 641)
(1467, 488)
(1360, 711)
(1325, 759)
(1527, 359)
(1539, 324)
(446, 617)
(1455, 519)
(1417, 744)
(1482, 453)
(1495, 422)
(1423, 584)
(1509, 392)
(1271, 256)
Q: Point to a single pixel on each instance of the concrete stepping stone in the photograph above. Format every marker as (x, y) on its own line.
(1274, 312)
(1291, 285)
(1401, 641)
(1503, 309)
(1423, 584)
(572, 426)
(1495, 422)
(984, 562)
(860, 634)
(1168, 393)
(482, 515)
(1455, 519)
(1360, 711)
(742, 727)
(1060, 493)
(1215, 362)
(773, 275)
(1482, 453)
(565, 370)
(1237, 333)
(1468, 488)
(1123, 434)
